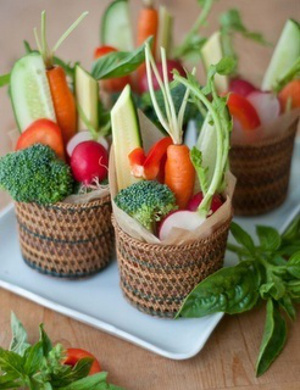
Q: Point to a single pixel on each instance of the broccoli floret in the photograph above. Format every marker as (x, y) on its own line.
(147, 202)
(35, 175)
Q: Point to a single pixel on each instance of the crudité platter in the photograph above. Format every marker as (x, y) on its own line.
(132, 182)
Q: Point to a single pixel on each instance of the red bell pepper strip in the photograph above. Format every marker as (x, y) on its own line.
(148, 167)
(243, 111)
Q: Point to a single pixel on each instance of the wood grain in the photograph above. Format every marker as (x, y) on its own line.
(228, 359)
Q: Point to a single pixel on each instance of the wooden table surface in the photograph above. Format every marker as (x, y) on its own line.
(228, 359)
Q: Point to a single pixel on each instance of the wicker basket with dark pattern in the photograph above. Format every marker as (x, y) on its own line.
(66, 240)
(156, 278)
(263, 172)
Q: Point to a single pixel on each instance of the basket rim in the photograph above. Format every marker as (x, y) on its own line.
(69, 206)
(170, 248)
(269, 141)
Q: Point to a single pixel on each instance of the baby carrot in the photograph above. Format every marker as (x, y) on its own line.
(180, 173)
(290, 93)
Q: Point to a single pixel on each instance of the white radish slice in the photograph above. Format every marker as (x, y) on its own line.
(83, 136)
(266, 105)
(182, 219)
(191, 134)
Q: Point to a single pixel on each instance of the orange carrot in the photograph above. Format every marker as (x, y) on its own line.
(63, 101)
(147, 27)
(180, 173)
(290, 93)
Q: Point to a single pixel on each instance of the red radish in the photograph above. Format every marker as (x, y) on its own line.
(182, 219)
(241, 87)
(82, 136)
(89, 161)
(266, 105)
(196, 200)
(171, 64)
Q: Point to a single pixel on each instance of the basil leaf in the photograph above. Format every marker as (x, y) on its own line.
(33, 358)
(94, 382)
(118, 64)
(293, 265)
(293, 288)
(11, 363)
(242, 237)
(45, 340)
(68, 375)
(275, 288)
(231, 290)
(269, 238)
(274, 338)
(287, 305)
(19, 342)
(292, 233)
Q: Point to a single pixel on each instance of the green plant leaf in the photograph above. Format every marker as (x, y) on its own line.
(293, 287)
(230, 290)
(94, 382)
(33, 357)
(293, 265)
(275, 288)
(11, 363)
(269, 238)
(274, 338)
(287, 305)
(19, 342)
(45, 340)
(292, 233)
(196, 158)
(242, 237)
(117, 64)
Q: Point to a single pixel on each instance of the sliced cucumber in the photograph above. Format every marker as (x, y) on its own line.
(211, 54)
(164, 37)
(126, 136)
(116, 26)
(87, 96)
(285, 54)
(30, 92)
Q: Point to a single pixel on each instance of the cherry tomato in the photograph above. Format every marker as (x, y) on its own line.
(76, 354)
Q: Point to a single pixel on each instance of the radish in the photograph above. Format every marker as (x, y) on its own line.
(197, 199)
(182, 219)
(82, 136)
(89, 161)
(191, 134)
(171, 65)
(241, 87)
(266, 105)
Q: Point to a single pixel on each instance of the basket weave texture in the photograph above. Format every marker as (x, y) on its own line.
(156, 278)
(66, 240)
(263, 173)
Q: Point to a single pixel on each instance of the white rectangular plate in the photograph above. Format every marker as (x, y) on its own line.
(98, 301)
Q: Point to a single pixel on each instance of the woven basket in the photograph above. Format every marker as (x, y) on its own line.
(263, 172)
(66, 240)
(156, 278)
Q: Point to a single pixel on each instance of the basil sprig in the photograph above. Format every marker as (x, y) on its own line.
(269, 271)
(39, 366)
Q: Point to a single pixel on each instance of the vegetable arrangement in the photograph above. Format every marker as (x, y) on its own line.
(45, 366)
(269, 271)
(169, 161)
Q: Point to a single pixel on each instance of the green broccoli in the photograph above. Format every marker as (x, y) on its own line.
(35, 175)
(147, 202)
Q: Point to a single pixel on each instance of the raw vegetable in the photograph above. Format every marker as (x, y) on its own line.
(263, 274)
(40, 366)
(266, 105)
(147, 167)
(164, 35)
(195, 201)
(293, 73)
(172, 65)
(148, 24)
(30, 92)
(126, 136)
(286, 53)
(147, 202)
(182, 219)
(43, 131)
(289, 96)
(89, 162)
(116, 26)
(35, 175)
(114, 84)
(87, 97)
(83, 136)
(74, 355)
(212, 53)
(62, 97)
(179, 170)
(243, 111)
(241, 87)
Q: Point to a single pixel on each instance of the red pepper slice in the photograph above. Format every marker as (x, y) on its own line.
(149, 167)
(243, 111)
